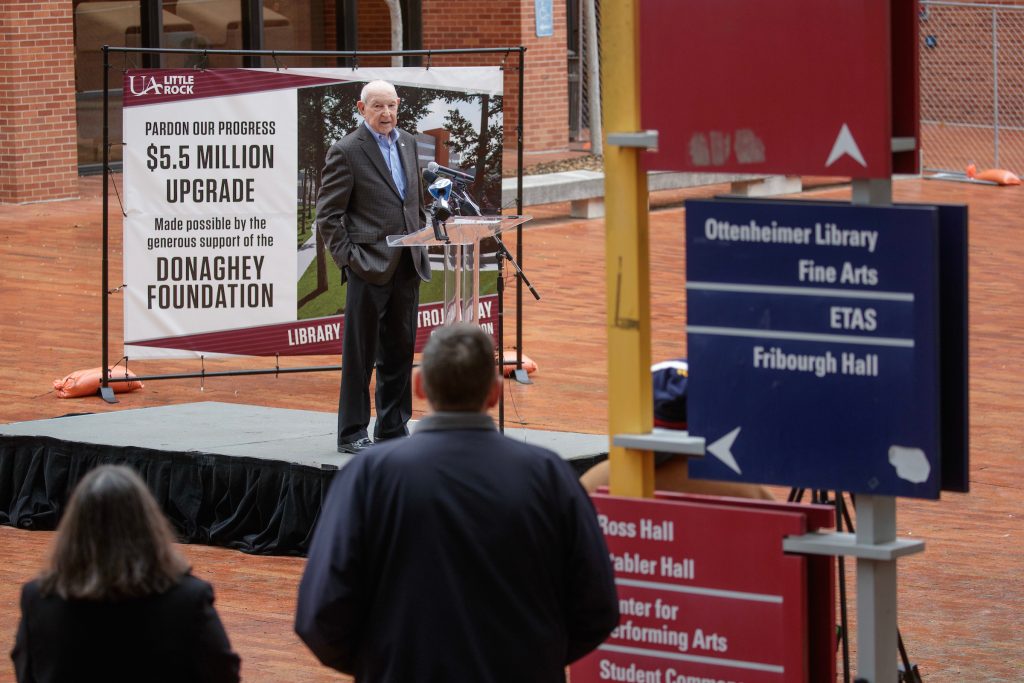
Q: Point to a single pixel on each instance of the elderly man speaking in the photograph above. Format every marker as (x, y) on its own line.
(371, 189)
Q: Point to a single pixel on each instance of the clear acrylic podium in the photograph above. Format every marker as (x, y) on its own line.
(461, 259)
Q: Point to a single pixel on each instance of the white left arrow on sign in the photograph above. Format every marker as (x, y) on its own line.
(722, 449)
(845, 144)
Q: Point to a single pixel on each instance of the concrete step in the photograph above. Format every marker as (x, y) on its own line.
(585, 189)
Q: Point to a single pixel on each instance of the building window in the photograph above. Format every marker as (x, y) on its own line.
(198, 24)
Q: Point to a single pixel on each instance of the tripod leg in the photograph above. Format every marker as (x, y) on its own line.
(909, 672)
(846, 511)
(844, 624)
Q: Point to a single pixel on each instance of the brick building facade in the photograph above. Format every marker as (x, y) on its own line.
(475, 24)
(39, 158)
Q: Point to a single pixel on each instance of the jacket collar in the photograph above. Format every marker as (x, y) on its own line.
(447, 420)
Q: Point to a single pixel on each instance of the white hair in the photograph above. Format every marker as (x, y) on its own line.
(379, 87)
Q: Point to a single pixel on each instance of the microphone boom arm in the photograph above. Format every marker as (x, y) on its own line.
(503, 251)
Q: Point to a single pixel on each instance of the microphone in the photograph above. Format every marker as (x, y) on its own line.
(459, 176)
(429, 176)
(440, 210)
(441, 191)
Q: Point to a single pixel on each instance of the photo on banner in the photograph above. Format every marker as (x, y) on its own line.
(221, 173)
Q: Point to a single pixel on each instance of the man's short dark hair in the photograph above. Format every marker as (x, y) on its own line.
(458, 368)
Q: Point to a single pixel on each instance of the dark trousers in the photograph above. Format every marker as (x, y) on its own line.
(380, 330)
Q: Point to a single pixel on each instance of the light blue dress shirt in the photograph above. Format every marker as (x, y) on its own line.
(388, 145)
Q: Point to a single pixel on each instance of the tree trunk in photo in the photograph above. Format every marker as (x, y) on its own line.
(304, 192)
(321, 252)
(482, 143)
(395, 9)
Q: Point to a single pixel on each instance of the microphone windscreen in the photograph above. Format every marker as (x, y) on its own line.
(433, 166)
(428, 175)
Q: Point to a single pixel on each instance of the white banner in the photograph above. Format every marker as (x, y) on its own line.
(214, 163)
(208, 240)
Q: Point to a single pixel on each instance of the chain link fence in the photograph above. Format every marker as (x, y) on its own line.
(972, 86)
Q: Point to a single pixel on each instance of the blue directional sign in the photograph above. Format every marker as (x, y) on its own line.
(813, 342)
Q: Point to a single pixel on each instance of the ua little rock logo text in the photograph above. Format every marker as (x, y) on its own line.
(163, 85)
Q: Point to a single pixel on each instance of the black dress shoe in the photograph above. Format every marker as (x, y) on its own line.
(355, 446)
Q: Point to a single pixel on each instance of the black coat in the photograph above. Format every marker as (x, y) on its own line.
(175, 636)
(457, 554)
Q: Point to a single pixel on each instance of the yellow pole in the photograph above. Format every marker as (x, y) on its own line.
(627, 255)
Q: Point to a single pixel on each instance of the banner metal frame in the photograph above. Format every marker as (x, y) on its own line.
(106, 391)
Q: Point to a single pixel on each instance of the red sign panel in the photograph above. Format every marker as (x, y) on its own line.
(802, 87)
(705, 591)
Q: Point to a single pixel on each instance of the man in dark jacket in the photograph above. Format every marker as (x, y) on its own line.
(457, 554)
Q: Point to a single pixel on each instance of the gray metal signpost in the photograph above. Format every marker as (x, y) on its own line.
(860, 291)
(814, 366)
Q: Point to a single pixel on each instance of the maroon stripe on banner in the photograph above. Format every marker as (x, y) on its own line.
(154, 86)
(315, 337)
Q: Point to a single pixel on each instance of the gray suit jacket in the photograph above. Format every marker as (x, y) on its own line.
(359, 206)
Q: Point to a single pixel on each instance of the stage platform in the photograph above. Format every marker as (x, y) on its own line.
(242, 476)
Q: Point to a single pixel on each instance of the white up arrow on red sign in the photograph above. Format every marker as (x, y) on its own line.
(845, 144)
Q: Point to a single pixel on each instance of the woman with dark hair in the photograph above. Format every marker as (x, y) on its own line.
(117, 601)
